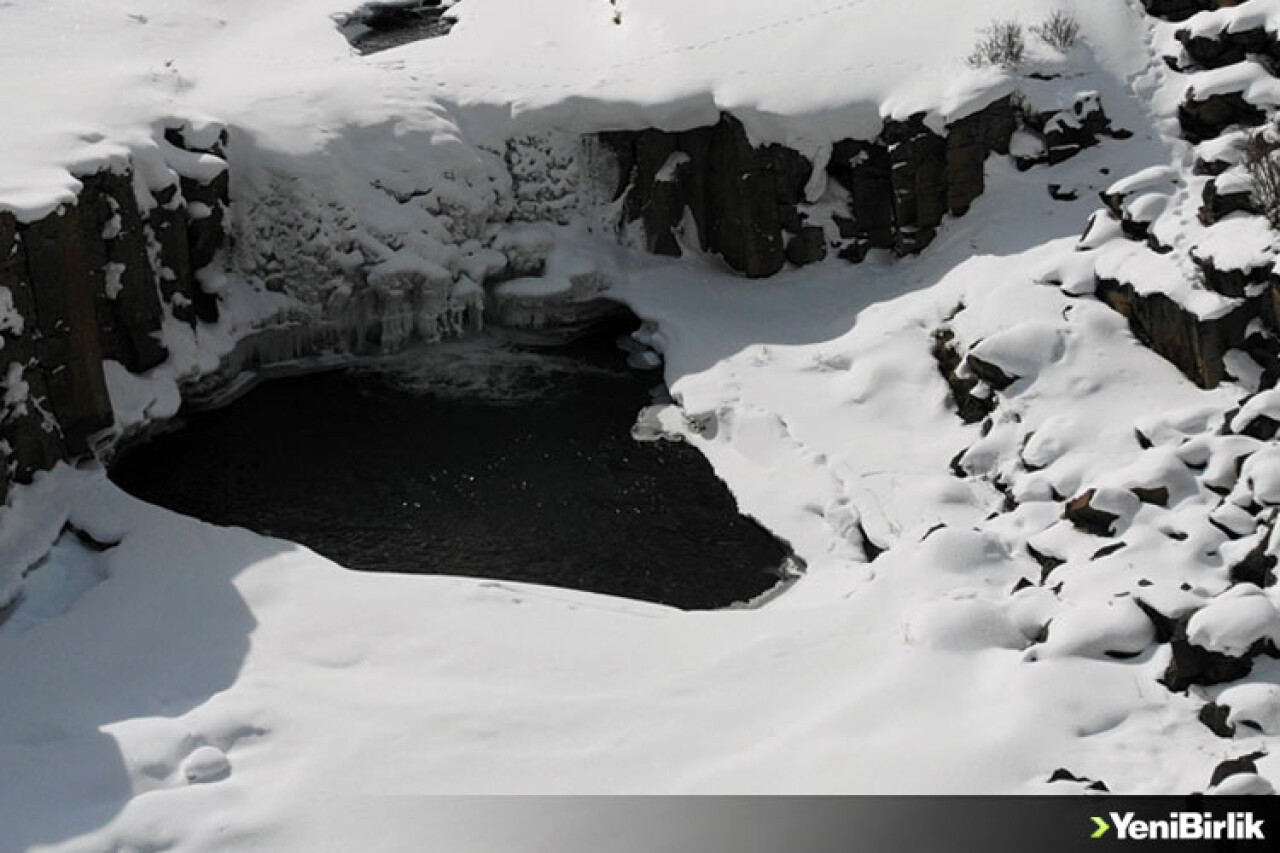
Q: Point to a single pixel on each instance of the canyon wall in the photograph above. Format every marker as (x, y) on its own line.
(1227, 297)
(747, 204)
(97, 280)
(709, 189)
(141, 248)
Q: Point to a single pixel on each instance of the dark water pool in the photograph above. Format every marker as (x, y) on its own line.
(476, 458)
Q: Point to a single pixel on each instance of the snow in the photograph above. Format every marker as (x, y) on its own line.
(1244, 785)
(200, 688)
(1238, 243)
(10, 320)
(1261, 475)
(1258, 14)
(1234, 621)
(963, 625)
(1256, 705)
(1111, 629)
(16, 391)
(1150, 178)
(1024, 350)
(1249, 79)
(1263, 404)
(283, 76)
(1154, 272)
(114, 286)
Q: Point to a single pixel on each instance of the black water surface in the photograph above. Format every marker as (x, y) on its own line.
(478, 459)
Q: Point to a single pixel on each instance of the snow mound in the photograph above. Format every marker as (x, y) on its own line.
(1234, 621)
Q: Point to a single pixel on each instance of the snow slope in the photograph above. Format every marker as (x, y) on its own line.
(318, 687)
(196, 688)
(108, 74)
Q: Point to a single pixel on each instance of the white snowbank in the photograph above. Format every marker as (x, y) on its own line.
(1234, 621)
(282, 75)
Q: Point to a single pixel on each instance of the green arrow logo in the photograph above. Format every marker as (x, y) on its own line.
(1102, 829)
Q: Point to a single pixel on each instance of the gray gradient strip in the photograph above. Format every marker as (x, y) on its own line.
(561, 824)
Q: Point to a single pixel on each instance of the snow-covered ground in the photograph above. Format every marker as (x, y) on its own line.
(198, 688)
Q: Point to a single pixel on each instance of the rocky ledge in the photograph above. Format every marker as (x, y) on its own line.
(100, 280)
(97, 280)
(710, 189)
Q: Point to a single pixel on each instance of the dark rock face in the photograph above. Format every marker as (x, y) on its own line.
(1191, 664)
(743, 200)
(1245, 764)
(1081, 512)
(375, 27)
(1194, 665)
(1218, 205)
(1227, 47)
(206, 231)
(1080, 126)
(68, 345)
(128, 303)
(1257, 567)
(1196, 346)
(1177, 10)
(966, 391)
(989, 373)
(92, 281)
(167, 223)
(917, 171)
(1214, 717)
(1062, 774)
(747, 203)
(970, 141)
(865, 171)
(1229, 282)
(1067, 132)
(1153, 495)
(1203, 119)
(752, 195)
(808, 246)
(1047, 562)
(29, 440)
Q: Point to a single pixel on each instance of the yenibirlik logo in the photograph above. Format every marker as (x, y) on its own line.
(1182, 826)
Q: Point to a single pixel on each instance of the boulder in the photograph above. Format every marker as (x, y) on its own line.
(1154, 495)
(808, 246)
(971, 405)
(1190, 665)
(1257, 567)
(1081, 512)
(1196, 346)
(1202, 119)
(1245, 764)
